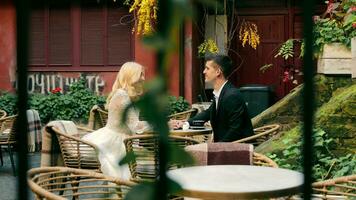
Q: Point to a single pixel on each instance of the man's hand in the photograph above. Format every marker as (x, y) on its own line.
(175, 124)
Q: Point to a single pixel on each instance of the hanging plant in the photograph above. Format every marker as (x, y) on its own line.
(208, 46)
(145, 13)
(249, 34)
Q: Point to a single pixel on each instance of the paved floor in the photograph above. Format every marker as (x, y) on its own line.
(8, 190)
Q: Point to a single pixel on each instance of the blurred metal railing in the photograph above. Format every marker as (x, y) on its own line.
(308, 98)
(22, 29)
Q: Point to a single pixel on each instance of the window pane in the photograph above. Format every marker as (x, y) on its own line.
(119, 36)
(92, 36)
(60, 42)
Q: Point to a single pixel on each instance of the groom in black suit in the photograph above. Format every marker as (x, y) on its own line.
(228, 113)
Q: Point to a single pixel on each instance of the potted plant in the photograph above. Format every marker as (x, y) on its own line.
(334, 34)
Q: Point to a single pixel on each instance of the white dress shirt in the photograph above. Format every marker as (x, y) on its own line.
(217, 94)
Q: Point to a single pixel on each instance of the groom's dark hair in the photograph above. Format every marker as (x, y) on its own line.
(223, 61)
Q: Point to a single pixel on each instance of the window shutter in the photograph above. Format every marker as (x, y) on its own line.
(59, 45)
(119, 37)
(65, 37)
(37, 38)
(92, 34)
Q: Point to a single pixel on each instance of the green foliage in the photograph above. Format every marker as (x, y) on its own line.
(337, 27)
(74, 105)
(348, 15)
(328, 31)
(326, 164)
(265, 67)
(177, 105)
(286, 50)
(302, 49)
(8, 103)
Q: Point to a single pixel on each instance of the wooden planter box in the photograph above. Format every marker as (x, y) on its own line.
(336, 59)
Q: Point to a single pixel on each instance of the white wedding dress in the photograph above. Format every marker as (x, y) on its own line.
(109, 139)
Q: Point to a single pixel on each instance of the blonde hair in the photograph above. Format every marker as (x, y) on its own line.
(128, 79)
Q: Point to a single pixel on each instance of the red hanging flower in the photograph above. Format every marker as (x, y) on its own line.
(285, 76)
(330, 6)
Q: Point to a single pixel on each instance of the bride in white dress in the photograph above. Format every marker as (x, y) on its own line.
(109, 139)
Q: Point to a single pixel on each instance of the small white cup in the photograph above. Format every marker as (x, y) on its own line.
(185, 126)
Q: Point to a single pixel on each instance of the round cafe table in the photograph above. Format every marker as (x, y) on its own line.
(236, 182)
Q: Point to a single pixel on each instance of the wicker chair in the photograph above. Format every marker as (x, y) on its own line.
(98, 117)
(261, 135)
(76, 153)
(8, 137)
(2, 113)
(337, 188)
(183, 115)
(262, 160)
(145, 147)
(49, 182)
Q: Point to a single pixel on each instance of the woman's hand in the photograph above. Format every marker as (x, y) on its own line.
(175, 124)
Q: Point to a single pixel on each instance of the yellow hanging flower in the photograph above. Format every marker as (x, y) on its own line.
(248, 33)
(146, 15)
(207, 46)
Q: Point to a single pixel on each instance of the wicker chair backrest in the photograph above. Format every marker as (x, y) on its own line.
(337, 188)
(261, 134)
(2, 113)
(77, 153)
(262, 160)
(8, 129)
(103, 116)
(183, 115)
(145, 148)
(98, 117)
(61, 183)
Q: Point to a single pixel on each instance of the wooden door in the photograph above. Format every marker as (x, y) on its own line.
(272, 30)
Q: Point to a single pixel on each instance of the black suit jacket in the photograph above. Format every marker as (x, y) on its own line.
(230, 121)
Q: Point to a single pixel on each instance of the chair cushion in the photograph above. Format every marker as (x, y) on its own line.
(221, 153)
(50, 153)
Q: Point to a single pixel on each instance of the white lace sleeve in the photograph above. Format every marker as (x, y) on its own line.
(135, 124)
(116, 107)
